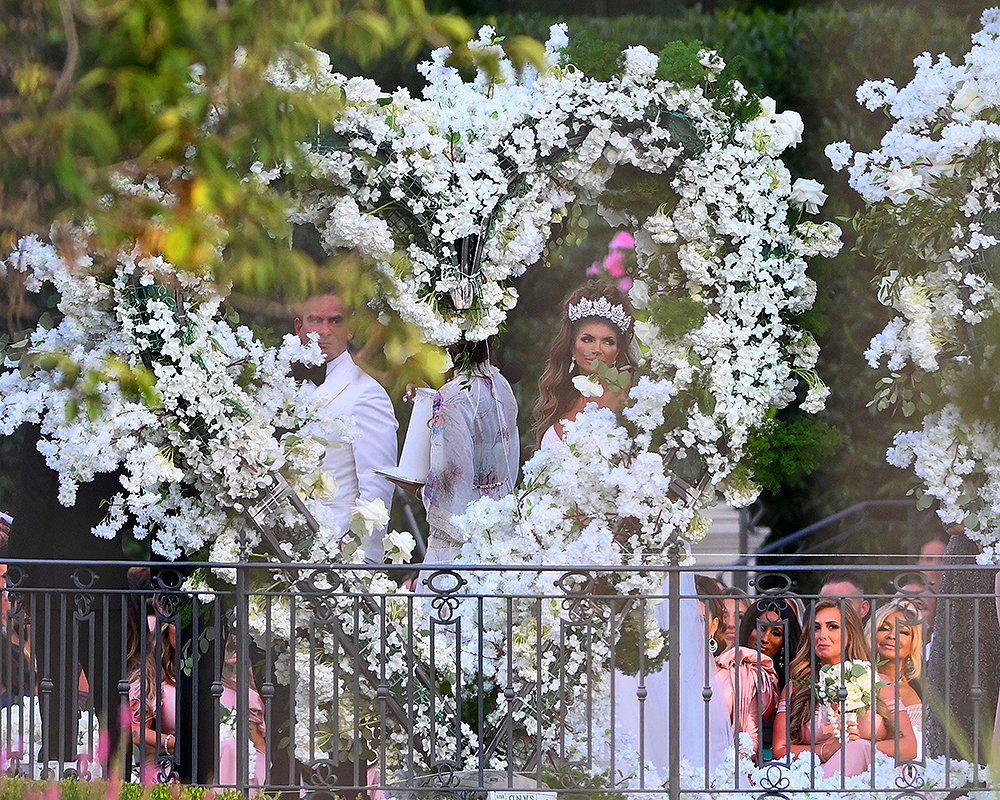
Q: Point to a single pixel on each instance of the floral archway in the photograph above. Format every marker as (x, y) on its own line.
(931, 220)
(447, 197)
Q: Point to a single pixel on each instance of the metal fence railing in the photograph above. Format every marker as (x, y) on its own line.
(350, 680)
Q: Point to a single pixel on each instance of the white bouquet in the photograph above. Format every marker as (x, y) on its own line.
(859, 680)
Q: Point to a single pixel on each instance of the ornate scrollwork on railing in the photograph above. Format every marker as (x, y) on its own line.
(83, 579)
(772, 583)
(774, 783)
(911, 781)
(325, 773)
(579, 588)
(318, 585)
(167, 772)
(444, 585)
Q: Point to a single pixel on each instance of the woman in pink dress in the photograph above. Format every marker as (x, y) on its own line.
(803, 726)
(153, 701)
(747, 677)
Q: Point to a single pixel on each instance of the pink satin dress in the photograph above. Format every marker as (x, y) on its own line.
(758, 690)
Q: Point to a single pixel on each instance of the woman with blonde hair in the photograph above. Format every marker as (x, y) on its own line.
(899, 642)
(596, 327)
(802, 725)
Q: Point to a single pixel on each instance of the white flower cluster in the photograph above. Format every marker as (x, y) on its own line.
(596, 498)
(453, 193)
(184, 406)
(450, 196)
(933, 185)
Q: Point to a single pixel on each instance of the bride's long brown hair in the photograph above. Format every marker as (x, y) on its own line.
(556, 393)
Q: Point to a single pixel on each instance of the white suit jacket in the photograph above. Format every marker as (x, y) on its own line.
(349, 391)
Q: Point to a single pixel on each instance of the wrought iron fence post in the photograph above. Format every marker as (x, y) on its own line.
(242, 675)
(674, 693)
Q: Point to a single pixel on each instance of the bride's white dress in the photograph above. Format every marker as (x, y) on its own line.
(705, 730)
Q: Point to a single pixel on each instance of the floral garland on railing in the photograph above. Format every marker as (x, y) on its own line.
(933, 223)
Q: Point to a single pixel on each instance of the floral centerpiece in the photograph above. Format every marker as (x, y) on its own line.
(933, 223)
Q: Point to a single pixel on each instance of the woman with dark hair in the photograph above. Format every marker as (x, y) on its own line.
(713, 610)
(772, 625)
(596, 327)
(770, 629)
(802, 725)
(749, 683)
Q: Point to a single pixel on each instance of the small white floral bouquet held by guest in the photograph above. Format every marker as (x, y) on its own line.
(860, 682)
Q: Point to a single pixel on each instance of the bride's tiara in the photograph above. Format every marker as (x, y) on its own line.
(603, 308)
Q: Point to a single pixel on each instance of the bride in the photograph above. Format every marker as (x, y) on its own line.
(596, 327)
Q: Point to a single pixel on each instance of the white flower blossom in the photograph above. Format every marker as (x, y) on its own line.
(588, 386)
(809, 194)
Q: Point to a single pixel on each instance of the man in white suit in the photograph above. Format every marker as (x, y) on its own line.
(347, 390)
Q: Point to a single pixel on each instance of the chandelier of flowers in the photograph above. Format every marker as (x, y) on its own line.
(933, 223)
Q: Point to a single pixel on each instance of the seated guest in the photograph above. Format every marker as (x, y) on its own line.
(749, 682)
(154, 704)
(923, 601)
(932, 557)
(898, 644)
(771, 626)
(802, 725)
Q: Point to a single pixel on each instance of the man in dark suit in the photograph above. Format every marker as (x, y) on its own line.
(75, 611)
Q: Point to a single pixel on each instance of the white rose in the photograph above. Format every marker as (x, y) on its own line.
(368, 515)
(638, 293)
(788, 128)
(398, 546)
(855, 698)
(588, 386)
(320, 485)
(968, 98)
(640, 64)
(809, 194)
(902, 181)
(645, 332)
(779, 131)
